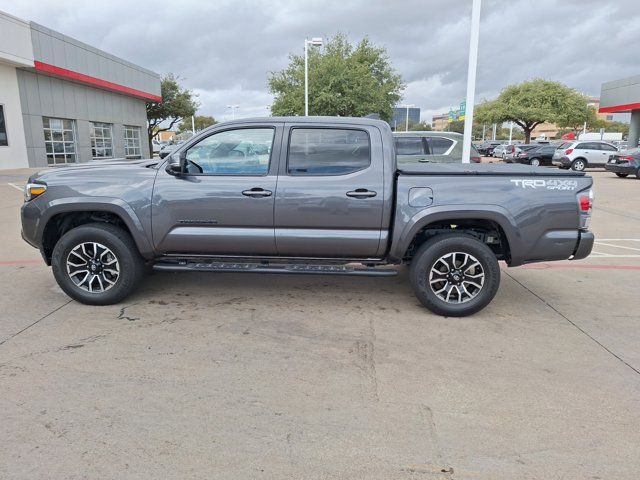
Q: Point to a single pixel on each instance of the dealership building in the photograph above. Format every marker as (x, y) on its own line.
(63, 101)
(622, 96)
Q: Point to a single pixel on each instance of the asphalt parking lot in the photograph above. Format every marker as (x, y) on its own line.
(231, 376)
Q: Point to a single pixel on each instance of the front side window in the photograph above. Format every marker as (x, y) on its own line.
(132, 142)
(245, 151)
(3, 129)
(59, 140)
(328, 151)
(101, 140)
(607, 147)
(409, 146)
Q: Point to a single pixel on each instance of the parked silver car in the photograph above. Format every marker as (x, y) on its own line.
(579, 155)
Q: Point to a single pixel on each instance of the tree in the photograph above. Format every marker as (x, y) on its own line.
(576, 115)
(419, 127)
(344, 80)
(531, 103)
(200, 121)
(177, 103)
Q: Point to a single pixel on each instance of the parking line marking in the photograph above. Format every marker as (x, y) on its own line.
(16, 187)
(617, 246)
(12, 263)
(611, 255)
(618, 240)
(582, 266)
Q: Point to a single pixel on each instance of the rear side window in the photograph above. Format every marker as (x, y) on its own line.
(588, 146)
(328, 151)
(439, 145)
(409, 146)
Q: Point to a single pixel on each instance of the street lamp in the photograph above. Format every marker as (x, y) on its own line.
(314, 42)
(233, 110)
(406, 126)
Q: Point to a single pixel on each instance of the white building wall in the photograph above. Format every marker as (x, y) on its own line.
(15, 50)
(13, 155)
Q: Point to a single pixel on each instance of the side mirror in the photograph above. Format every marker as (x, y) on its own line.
(176, 164)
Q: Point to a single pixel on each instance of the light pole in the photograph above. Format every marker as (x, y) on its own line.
(471, 80)
(314, 42)
(233, 110)
(406, 125)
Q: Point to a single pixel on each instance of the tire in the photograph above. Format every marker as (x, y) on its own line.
(95, 246)
(622, 175)
(535, 162)
(638, 174)
(579, 164)
(437, 253)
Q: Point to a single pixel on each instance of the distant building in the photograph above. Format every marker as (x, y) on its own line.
(166, 135)
(439, 123)
(620, 96)
(399, 119)
(63, 101)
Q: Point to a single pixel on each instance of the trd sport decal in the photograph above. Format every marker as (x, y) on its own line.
(555, 184)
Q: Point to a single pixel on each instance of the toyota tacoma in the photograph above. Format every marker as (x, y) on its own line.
(303, 195)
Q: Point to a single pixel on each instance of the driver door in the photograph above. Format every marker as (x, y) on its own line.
(222, 204)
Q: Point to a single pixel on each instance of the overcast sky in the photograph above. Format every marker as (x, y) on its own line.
(224, 50)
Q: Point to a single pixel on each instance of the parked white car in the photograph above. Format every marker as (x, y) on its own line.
(579, 155)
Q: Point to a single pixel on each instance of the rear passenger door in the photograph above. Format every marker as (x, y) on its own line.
(606, 151)
(330, 192)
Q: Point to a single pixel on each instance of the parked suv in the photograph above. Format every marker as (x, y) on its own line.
(434, 147)
(579, 155)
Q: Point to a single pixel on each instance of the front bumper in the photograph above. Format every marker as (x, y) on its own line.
(584, 246)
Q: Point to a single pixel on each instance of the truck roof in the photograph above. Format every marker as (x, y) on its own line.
(312, 120)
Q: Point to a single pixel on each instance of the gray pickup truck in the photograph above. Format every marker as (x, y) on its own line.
(316, 195)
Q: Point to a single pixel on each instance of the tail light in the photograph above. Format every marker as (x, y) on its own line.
(585, 207)
(625, 158)
(568, 151)
(476, 159)
(522, 154)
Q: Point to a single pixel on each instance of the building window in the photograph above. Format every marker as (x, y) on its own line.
(132, 142)
(101, 140)
(59, 140)
(3, 129)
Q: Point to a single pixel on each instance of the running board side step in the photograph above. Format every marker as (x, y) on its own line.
(184, 266)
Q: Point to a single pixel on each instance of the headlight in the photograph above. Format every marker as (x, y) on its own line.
(33, 190)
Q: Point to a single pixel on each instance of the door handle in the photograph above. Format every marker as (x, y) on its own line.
(361, 193)
(257, 192)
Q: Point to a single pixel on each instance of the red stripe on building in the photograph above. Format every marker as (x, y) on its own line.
(620, 108)
(93, 81)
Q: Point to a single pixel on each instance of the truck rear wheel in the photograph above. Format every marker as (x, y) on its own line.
(455, 275)
(97, 264)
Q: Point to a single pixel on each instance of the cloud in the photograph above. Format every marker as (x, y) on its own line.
(225, 50)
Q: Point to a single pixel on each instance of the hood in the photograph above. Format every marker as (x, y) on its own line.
(122, 166)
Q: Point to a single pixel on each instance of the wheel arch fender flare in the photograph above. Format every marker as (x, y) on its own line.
(495, 213)
(112, 205)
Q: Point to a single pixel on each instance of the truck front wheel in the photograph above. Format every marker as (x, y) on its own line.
(455, 275)
(97, 264)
